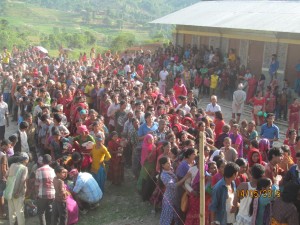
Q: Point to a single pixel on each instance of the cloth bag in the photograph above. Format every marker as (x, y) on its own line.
(10, 184)
(184, 202)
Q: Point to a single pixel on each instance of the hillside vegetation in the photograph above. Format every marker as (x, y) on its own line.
(81, 24)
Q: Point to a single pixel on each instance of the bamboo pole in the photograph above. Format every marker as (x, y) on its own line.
(202, 177)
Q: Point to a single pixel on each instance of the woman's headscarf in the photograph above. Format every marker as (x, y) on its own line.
(146, 148)
(179, 128)
(173, 118)
(250, 154)
(188, 119)
(82, 129)
(264, 145)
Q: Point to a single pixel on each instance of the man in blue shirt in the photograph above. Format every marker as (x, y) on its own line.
(269, 130)
(221, 191)
(148, 127)
(86, 191)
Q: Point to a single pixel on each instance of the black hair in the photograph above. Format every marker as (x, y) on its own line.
(54, 164)
(297, 138)
(211, 163)
(291, 131)
(47, 159)
(188, 152)
(297, 154)
(211, 152)
(122, 102)
(55, 131)
(188, 142)
(216, 158)
(175, 151)
(220, 162)
(5, 142)
(147, 114)
(165, 143)
(58, 169)
(23, 125)
(257, 171)
(27, 116)
(274, 152)
(201, 123)
(13, 138)
(230, 169)
(219, 115)
(76, 156)
(57, 117)
(290, 192)
(241, 162)
(163, 160)
(286, 148)
(254, 143)
(44, 117)
(261, 184)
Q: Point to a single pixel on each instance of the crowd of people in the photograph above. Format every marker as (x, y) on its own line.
(82, 122)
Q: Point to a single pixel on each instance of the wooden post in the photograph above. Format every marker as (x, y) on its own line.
(202, 177)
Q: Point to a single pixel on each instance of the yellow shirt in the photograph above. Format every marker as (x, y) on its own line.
(99, 155)
(87, 90)
(214, 81)
(6, 57)
(231, 57)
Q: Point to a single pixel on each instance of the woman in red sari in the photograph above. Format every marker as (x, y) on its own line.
(79, 102)
(219, 123)
(179, 89)
(116, 168)
(254, 156)
(192, 215)
(83, 143)
(252, 85)
(258, 102)
(291, 142)
(294, 115)
(270, 100)
(66, 101)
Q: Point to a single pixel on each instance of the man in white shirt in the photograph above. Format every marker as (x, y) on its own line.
(162, 82)
(183, 106)
(212, 107)
(38, 108)
(112, 109)
(127, 68)
(23, 136)
(3, 117)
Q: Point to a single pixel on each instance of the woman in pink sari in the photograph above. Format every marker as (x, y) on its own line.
(72, 208)
(145, 182)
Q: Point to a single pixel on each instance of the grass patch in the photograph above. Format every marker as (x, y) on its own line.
(119, 203)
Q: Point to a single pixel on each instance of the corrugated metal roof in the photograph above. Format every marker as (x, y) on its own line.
(277, 16)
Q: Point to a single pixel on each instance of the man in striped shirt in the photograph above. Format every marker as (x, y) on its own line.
(45, 189)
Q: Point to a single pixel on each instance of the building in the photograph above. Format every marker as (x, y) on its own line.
(254, 29)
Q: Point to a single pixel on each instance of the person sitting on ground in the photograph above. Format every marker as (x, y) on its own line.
(86, 191)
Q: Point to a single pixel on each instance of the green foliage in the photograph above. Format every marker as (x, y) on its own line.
(70, 40)
(10, 36)
(82, 24)
(123, 41)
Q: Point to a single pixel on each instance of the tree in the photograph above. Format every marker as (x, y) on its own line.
(122, 41)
